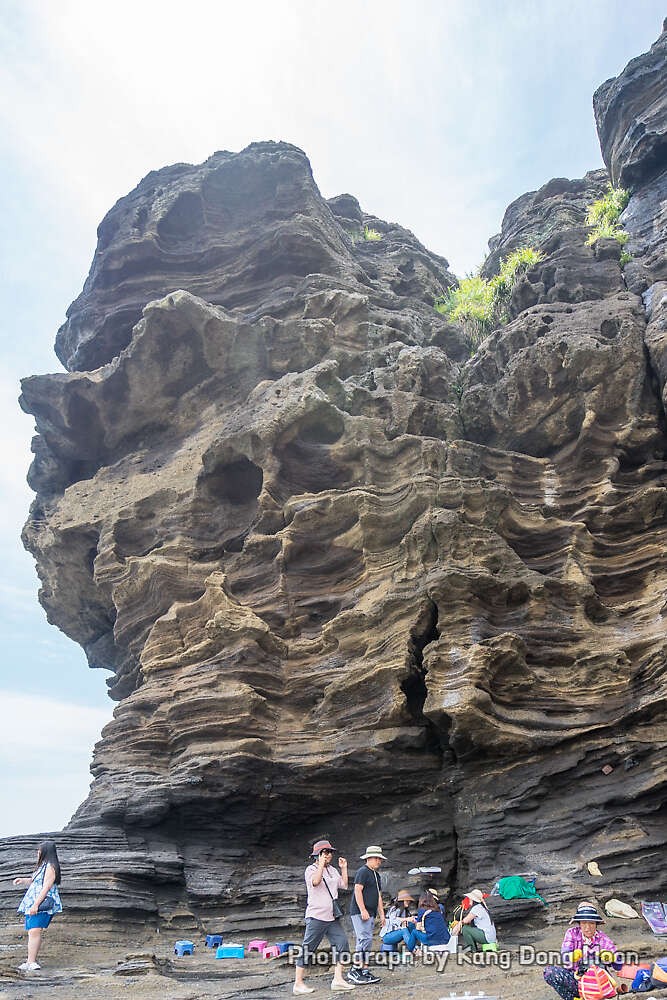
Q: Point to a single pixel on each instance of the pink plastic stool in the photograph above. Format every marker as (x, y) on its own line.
(258, 944)
(273, 951)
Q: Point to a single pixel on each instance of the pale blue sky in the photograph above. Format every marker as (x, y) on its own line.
(434, 113)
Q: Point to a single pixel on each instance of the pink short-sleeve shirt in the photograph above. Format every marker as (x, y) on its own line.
(319, 900)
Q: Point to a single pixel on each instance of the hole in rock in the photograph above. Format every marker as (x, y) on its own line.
(236, 544)
(183, 219)
(112, 336)
(76, 471)
(415, 691)
(610, 328)
(325, 427)
(238, 482)
(631, 460)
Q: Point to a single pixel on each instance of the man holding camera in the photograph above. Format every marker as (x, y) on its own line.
(323, 914)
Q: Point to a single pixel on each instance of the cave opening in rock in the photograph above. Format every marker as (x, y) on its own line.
(414, 686)
(239, 482)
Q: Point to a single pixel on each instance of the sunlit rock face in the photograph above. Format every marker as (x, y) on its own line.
(347, 577)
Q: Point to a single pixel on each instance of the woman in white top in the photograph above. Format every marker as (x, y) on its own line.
(42, 900)
(476, 928)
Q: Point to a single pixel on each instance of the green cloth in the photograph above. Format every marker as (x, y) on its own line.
(515, 887)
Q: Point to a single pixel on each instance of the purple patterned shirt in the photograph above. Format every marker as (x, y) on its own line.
(591, 949)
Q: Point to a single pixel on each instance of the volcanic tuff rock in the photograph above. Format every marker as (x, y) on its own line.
(348, 578)
(242, 231)
(631, 117)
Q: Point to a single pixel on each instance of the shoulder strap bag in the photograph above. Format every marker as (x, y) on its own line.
(338, 910)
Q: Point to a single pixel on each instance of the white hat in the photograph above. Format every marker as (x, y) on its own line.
(476, 895)
(373, 851)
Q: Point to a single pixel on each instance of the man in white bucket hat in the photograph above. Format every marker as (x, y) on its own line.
(366, 905)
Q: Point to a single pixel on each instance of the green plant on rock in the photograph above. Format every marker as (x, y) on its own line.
(625, 258)
(480, 305)
(366, 233)
(608, 230)
(471, 305)
(603, 216)
(511, 268)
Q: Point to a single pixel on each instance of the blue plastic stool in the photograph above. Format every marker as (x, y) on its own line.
(230, 951)
(388, 947)
(284, 946)
(213, 940)
(182, 948)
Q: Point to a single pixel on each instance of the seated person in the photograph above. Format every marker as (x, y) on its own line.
(476, 927)
(584, 943)
(430, 928)
(398, 918)
(436, 895)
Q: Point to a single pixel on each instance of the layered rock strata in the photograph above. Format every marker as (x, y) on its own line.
(345, 576)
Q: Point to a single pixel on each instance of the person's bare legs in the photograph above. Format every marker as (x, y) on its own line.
(299, 985)
(298, 975)
(34, 941)
(338, 974)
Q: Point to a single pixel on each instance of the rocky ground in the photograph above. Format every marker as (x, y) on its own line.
(86, 963)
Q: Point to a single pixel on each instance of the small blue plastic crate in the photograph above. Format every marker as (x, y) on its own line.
(230, 951)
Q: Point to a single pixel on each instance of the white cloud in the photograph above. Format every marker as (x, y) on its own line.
(399, 104)
(45, 752)
(69, 725)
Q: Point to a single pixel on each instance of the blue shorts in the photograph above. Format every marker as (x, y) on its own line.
(37, 920)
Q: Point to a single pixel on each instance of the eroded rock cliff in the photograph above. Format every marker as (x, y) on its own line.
(345, 576)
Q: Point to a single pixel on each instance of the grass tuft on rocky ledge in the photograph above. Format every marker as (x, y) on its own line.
(365, 235)
(603, 216)
(480, 305)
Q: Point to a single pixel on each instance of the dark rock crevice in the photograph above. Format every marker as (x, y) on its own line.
(414, 686)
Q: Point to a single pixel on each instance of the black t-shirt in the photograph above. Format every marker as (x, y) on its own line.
(370, 881)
